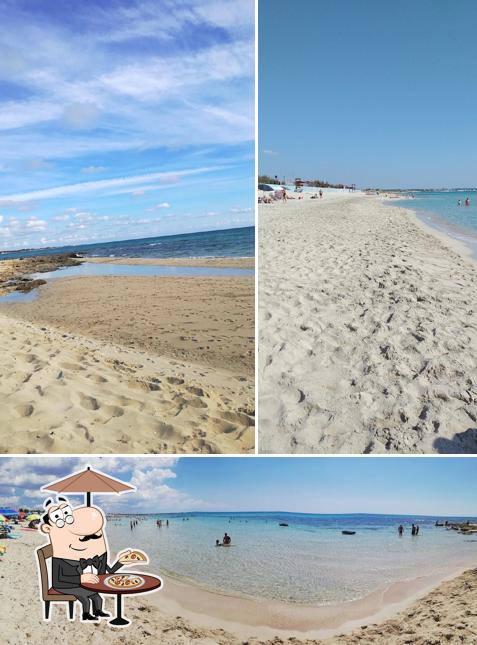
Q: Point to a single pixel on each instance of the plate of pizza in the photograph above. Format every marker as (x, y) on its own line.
(124, 581)
(133, 556)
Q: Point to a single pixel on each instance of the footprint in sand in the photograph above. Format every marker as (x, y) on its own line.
(198, 391)
(89, 402)
(175, 381)
(238, 417)
(75, 367)
(112, 410)
(25, 410)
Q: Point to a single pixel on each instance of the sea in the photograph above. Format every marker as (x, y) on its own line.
(307, 562)
(233, 243)
(440, 210)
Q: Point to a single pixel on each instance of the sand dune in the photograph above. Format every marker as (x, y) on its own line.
(368, 332)
(64, 393)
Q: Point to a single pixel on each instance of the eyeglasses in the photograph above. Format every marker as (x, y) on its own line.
(60, 522)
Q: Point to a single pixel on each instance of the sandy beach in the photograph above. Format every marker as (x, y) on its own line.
(428, 613)
(130, 364)
(367, 331)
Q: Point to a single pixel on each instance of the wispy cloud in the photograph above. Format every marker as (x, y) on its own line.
(100, 185)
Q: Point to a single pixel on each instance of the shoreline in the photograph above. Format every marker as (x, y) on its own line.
(183, 611)
(253, 617)
(380, 354)
(219, 262)
(444, 234)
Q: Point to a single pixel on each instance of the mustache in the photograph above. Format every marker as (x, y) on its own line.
(90, 537)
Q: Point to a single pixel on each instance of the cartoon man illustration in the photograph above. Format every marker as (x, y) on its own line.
(80, 552)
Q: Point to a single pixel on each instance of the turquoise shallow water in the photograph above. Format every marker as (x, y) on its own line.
(440, 210)
(309, 561)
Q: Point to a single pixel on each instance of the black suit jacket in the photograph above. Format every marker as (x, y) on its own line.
(66, 574)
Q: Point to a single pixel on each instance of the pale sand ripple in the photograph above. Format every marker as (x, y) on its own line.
(63, 393)
(367, 332)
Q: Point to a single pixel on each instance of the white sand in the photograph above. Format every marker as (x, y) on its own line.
(64, 393)
(367, 332)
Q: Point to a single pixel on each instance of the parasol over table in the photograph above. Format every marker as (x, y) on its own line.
(89, 481)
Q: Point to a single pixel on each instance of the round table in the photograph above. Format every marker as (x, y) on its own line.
(150, 583)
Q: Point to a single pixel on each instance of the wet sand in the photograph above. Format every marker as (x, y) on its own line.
(231, 263)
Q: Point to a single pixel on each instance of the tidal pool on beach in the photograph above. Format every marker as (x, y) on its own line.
(90, 269)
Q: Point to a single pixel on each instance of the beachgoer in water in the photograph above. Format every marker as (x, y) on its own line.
(467, 201)
(217, 543)
(401, 529)
(459, 202)
(417, 529)
(227, 539)
(413, 530)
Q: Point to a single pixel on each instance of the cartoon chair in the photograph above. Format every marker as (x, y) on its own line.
(49, 594)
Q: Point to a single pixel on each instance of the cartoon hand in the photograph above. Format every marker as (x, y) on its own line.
(89, 578)
(123, 555)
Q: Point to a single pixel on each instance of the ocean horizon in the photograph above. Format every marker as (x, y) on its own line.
(309, 561)
(231, 242)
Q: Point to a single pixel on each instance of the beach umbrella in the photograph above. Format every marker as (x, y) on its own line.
(32, 517)
(89, 481)
(8, 512)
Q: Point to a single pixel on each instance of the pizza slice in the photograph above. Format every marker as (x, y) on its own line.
(133, 556)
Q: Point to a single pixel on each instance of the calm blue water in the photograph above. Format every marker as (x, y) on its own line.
(235, 242)
(91, 269)
(440, 209)
(310, 561)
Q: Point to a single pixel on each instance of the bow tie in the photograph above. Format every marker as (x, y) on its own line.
(90, 562)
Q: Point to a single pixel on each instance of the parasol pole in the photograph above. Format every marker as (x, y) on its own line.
(88, 494)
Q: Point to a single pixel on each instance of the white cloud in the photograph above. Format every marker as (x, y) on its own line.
(158, 206)
(93, 170)
(35, 224)
(22, 478)
(102, 184)
(81, 116)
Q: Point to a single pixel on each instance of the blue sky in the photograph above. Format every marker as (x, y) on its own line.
(399, 485)
(378, 93)
(122, 119)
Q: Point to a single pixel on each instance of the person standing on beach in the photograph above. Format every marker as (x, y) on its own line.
(321, 193)
(284, 196)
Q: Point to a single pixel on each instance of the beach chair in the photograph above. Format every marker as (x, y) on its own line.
(48, 593)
